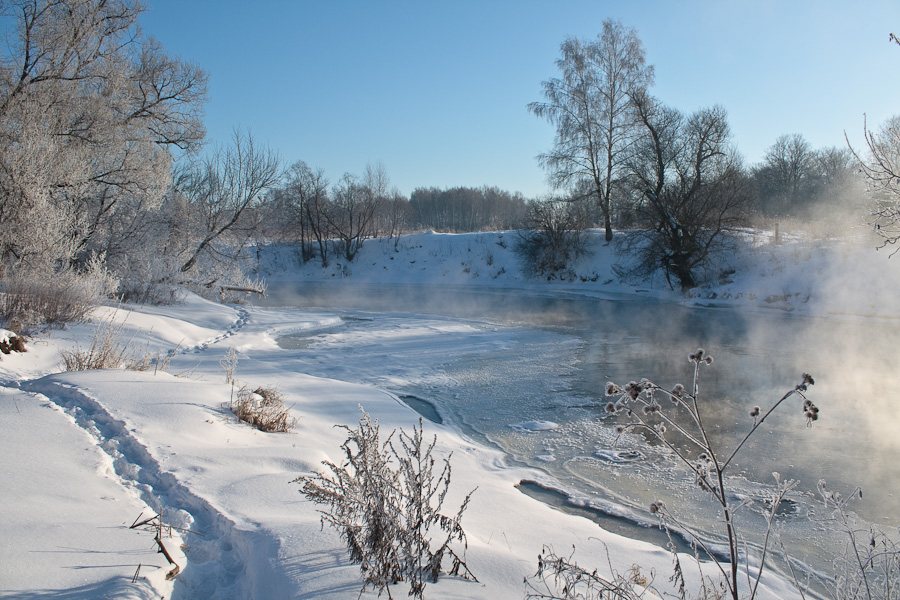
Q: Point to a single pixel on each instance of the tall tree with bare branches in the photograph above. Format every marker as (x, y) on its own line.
(221, 191)
(590, 106)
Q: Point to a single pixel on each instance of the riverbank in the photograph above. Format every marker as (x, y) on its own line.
(832, 277)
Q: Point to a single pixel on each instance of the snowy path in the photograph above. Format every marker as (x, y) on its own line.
(224, 561)
(218, 554)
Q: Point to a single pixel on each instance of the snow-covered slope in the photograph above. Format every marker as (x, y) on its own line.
(802, 274)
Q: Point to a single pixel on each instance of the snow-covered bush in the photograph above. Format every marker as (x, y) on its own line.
(387, 502)
(264, 409)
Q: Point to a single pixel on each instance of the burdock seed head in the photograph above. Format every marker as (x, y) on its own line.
(700, 356)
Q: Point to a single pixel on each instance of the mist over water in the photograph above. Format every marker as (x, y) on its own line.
(558, 375)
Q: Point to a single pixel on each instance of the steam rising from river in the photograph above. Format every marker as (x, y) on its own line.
(488, 378)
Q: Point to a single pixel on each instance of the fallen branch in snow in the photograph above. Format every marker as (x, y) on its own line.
(157, 525)
(261, 292)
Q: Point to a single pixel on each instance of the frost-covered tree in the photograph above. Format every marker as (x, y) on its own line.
(90, 114)
(590, 106)
(221, 192)
(881, 168)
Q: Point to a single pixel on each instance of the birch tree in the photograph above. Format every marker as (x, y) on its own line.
(589, 104)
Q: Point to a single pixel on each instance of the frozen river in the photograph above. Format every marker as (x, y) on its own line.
(526, 372)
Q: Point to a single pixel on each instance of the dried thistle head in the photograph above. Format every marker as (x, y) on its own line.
(754, 412)
(807, 381)
(810, 411)
(700, 356)
(612, 389)
(633, 389)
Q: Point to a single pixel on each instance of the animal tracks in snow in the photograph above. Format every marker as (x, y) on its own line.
(243, 317)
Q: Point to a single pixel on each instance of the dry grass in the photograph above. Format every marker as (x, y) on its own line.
(109, 351)
(12, 343)
(264, 409)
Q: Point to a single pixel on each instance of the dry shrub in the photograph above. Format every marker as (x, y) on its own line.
(158, 361)
(264, 409)
(387, 502)
(11, 343)
(39, 297)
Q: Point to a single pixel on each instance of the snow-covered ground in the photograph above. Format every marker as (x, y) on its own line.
(84, 454)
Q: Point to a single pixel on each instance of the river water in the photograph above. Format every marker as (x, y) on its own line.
(541, 400)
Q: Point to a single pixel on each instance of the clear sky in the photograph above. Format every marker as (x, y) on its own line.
(437, 90)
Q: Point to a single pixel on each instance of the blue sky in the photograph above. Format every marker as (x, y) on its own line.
(437, 90)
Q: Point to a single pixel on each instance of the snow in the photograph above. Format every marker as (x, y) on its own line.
(83, 454)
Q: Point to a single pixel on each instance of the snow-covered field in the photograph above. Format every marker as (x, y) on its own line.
(84, 454)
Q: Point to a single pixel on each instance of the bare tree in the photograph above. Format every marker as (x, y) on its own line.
(785, 178)
(693, 186)
(356, 202)
(306, 196)
(462, 209)
(394, 214)
(881, 169)
(554, 235)
(591, 109)
(221, 191)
